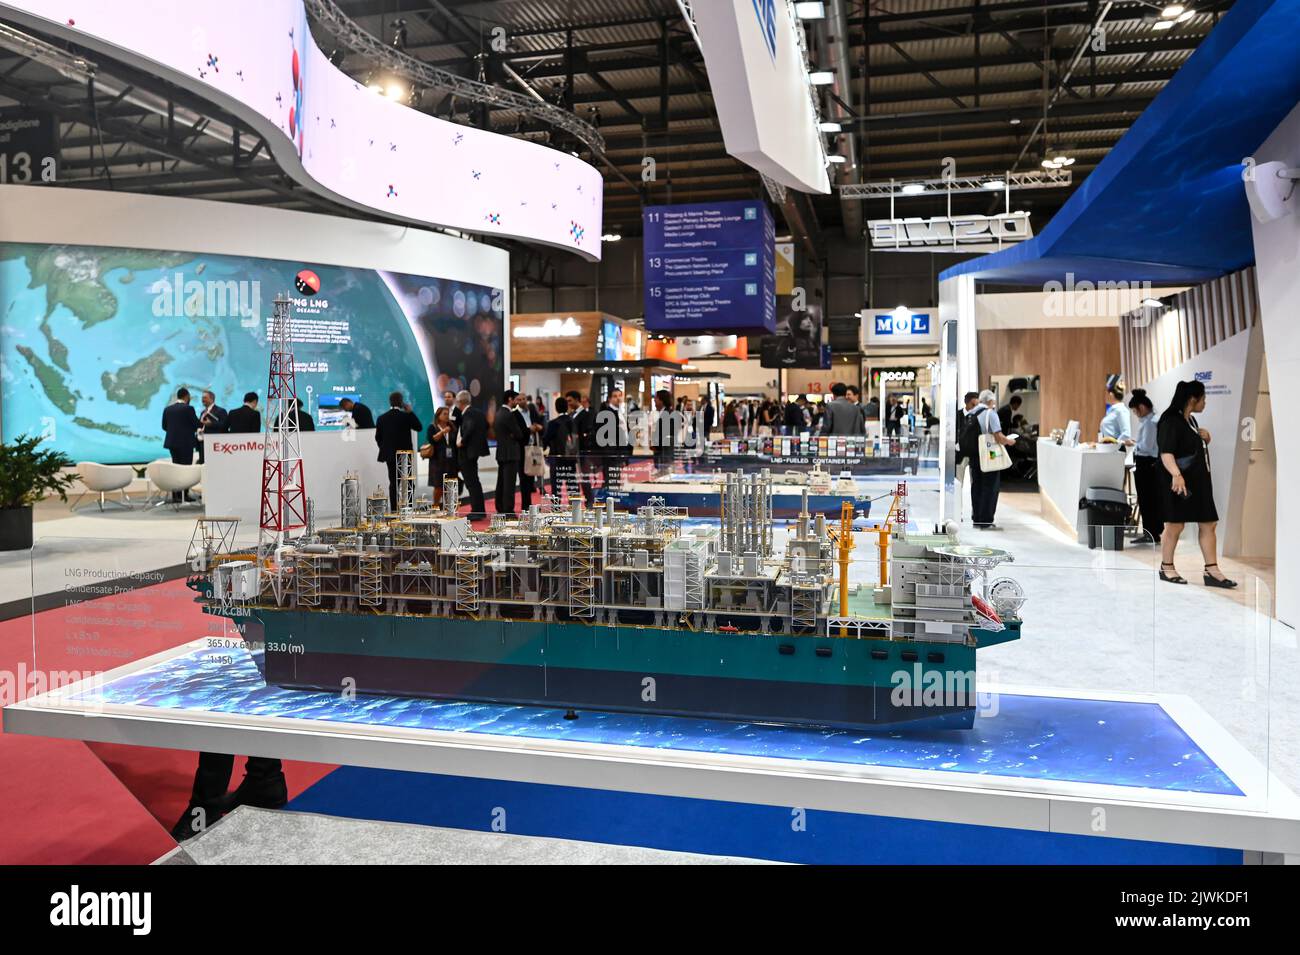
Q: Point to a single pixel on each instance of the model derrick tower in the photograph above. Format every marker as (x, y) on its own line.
(284, 496)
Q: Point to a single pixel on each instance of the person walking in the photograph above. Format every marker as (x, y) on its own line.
(842, 417)
(471, 444)
(393, 434)
(510, 434)
(1188, 489)
(985, 485)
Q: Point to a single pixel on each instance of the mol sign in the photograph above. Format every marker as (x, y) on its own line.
(959, 233)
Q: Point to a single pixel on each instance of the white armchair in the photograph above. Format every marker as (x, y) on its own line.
(171, 478)
(104, 479)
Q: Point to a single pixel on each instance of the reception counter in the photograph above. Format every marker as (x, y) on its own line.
(232, 474)
(1064, 474)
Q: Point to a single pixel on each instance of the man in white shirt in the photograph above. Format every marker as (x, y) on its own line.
(986, 485)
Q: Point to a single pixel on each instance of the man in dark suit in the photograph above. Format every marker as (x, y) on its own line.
(665, 429)
(393, 434)
(614, 443)
(211, 421)
(245, 419)
(843, 417)
(531, 424)
(471, 444)
(180, 427)
(510, 432)
(584, 430)
(362, 417)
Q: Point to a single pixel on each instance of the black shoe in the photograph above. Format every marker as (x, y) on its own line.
(1171, 578)
(260, 792)
(196, 819)
(1210, 581)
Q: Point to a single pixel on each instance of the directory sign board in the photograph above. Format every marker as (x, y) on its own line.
(710, 267)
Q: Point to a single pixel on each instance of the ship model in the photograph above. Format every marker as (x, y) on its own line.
(581, 608)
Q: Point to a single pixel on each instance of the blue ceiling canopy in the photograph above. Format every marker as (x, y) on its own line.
(1167, 204)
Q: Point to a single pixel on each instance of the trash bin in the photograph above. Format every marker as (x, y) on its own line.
(1103, 516)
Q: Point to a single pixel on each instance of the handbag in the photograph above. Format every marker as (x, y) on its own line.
(534, 459)
(426, 451)
(992, 456)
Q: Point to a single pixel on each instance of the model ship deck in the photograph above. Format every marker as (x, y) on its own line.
(619, 610)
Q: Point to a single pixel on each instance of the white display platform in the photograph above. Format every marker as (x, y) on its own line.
(1064, 474)
(1265, 818)
(232, 471)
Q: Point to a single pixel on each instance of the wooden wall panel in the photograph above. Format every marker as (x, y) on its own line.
(1152, 342)
(1072, 364)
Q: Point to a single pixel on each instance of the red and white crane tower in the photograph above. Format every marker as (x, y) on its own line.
(284, 495)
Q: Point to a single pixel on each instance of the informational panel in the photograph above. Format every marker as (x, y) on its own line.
(29, 144)
(338, 136)
(232, 472)
(710, 267)
(759, 83)
(95, 340)
(900, 326)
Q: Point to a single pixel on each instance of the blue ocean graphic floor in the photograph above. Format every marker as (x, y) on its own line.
(1031, 737)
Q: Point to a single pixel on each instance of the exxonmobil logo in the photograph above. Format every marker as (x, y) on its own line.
(233, 447)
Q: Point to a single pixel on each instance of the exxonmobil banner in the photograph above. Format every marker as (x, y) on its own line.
(760, 89)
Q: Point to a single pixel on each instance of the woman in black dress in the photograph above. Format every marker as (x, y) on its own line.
(1188, 492)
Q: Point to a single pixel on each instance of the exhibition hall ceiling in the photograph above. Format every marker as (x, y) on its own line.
(928, 80)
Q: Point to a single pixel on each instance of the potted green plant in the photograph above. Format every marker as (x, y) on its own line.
(27, 474)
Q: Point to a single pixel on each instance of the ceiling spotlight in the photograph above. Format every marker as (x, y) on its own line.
(836, 158)
(913, 188)
(396, 91)
(994, 184)
(1185, 16)
(821, 78)
(810, 9)
(1152, 303)
(376, 87)
(399, 33)
(830, 127)
(1163, 25)
(611, 237)
(1050, 164)
(1173, 10)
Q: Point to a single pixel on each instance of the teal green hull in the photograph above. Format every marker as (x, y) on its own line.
(748, 676)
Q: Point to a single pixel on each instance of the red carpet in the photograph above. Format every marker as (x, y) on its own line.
(68, 802)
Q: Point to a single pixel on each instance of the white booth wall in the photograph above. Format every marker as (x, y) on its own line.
(1277, 267)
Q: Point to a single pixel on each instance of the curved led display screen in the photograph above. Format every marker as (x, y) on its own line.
(258, 60)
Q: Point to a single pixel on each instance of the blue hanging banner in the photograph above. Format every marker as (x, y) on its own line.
(710, 267)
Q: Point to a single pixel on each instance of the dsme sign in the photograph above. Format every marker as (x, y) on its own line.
(765, 10)
(972, 233)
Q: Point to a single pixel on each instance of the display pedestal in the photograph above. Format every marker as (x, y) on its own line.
(1142, 769)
